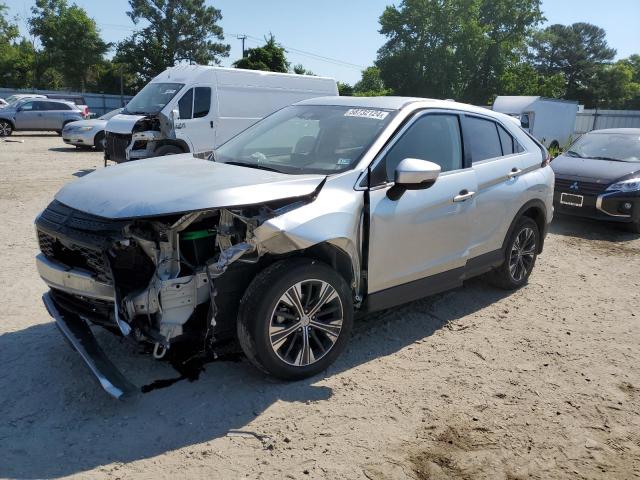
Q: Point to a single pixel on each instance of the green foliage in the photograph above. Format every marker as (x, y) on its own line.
(345, 90)
(371, 84)
(454, 48)
(300, 70)
(270, 57)
(523, 79)
(70, 40)
(613, 86)
(16, 57)
(578, 51)
(177, 30)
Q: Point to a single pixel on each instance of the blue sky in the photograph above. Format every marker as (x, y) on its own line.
(345, 31)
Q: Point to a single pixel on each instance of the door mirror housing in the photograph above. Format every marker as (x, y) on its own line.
(413, 174)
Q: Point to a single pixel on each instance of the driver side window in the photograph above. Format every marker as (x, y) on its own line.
(434, 137)
(27, 107)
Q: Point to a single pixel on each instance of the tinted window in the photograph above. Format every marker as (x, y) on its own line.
(483, 138)
(185, 105)
(201, 102)
(435, 138)
(506, 140)
(27, 107)
(55, 106)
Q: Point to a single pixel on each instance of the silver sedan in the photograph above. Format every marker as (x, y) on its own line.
(88, 133)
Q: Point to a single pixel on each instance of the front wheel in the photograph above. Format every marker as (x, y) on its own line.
(168, 150)
(295, 318)
(99, 142)
(6, 129)
(521, 252)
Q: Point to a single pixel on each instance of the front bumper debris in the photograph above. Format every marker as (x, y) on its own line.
(77, 332)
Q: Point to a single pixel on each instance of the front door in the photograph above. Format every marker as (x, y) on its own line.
(425, 232)
(28, 117)
(196, 123)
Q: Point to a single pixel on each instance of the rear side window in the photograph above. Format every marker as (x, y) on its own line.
(201, 102)
(433, 137)
(507, 141)
(57, 106)
(185, 105)
(483, 138)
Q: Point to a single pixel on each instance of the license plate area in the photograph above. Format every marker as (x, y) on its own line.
(571, 199)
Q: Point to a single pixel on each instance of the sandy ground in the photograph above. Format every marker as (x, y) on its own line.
(475, 383)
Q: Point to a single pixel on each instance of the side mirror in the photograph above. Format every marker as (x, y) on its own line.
(413, 174)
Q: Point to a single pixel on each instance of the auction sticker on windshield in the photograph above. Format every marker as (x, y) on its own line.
(366, 113)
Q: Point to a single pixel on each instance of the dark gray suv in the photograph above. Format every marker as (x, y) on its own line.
(37, 114)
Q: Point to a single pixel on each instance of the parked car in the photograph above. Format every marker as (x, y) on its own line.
(549, 120)
(327, 208)
(37, 114)
(88, 133)
(78, 100)
(193, 108)
(21, 96)
(599, 177)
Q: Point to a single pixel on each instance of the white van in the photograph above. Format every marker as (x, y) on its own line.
(195, 108)
(550, 121)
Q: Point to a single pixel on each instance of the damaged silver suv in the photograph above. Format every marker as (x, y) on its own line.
(327, 208)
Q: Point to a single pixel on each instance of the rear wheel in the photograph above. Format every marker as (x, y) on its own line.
(6, 129)
(295, 318)
(168, 150)
(521, 252)
(98, 142)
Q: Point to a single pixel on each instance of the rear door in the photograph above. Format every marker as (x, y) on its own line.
(497, 159)
(425, 232)
(196, 124)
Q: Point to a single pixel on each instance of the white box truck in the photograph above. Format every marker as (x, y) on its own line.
(550, 121)
(195, 108)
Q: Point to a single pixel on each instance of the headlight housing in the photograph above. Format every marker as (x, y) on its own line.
(84, 129)
(630, 185)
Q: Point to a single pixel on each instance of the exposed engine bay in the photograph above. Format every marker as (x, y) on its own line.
(158, 280)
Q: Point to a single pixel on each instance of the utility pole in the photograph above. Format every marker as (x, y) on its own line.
(243, 38)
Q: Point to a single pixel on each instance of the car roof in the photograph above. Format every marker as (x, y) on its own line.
(623, 131)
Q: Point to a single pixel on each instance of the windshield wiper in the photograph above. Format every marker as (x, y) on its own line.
(253, 165)
(572, 153)
(608, 158)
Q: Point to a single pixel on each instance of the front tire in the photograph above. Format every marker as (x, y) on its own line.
(6, 129)
(167, 150)
(99, 142)
(521, 252)
(295, 318)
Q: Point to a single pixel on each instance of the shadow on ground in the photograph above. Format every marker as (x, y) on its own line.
(588, 229)
(84, 171)
(72, 149)
(56, 421)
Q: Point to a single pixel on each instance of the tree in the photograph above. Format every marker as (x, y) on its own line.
(177, 30)
(345, 90)
(454, 48)
(371, 84)
(633, 62)
(523, 79)
(300, 70)
(578, 51)
(16, 57)
(270, 57)
(613, 86)
(70, 40)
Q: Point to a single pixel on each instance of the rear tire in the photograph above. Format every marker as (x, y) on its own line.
(167, 150)
(520, 256)
(6, 129)
(295, 318)
(98, 142)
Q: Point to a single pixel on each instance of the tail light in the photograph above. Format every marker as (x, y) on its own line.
(85, 112)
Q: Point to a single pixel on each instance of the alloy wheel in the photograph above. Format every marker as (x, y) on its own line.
(522, 256)
(306, 322)
(5, 129)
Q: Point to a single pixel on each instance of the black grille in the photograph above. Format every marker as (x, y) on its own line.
(116, 146)
(583, 188)
(98, 311)
(74, 255)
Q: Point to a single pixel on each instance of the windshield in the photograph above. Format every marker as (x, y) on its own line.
(152, 98)
(110, 114)
(622, 147)
(304, 139)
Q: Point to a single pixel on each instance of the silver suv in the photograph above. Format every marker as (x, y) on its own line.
(325, 209)
(37, 114)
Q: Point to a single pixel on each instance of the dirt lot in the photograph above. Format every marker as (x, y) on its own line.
(475, 383)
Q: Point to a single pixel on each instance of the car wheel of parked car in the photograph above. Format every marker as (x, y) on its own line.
(520, 256)
(168, 150)
(295, 318)
(98, 141)
(6, 129)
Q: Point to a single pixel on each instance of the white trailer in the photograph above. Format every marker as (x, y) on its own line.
(550, 121)
(195, 108)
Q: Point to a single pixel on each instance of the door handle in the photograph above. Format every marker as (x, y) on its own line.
(463, 196)
(211, 123)
(514, 172)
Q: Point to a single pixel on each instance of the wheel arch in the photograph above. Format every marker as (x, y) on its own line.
(184, 146)
(10, 121)
(536, 210)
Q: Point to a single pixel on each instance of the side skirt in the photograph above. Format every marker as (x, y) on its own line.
(433, 284)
